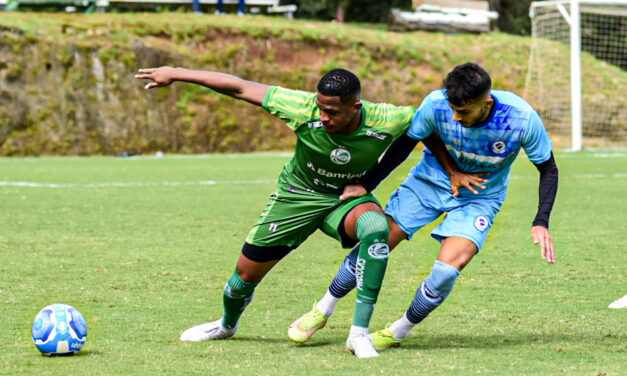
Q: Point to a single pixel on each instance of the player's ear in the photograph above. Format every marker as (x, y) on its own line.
(357, 106)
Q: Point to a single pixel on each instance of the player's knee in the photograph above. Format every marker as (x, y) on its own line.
(441, 281)
(373, 224)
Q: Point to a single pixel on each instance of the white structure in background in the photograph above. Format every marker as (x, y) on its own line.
(577, 70)
(435, 18)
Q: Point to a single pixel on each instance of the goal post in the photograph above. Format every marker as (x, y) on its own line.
(577, 76)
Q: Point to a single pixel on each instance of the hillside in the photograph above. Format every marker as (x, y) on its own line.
(67, 86)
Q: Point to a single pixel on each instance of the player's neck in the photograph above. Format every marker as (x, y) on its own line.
(354, 124)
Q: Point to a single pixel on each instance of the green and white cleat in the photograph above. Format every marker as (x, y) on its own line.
(302, 329)
(384, 339)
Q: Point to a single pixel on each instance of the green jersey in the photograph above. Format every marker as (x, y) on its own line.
(326, 162)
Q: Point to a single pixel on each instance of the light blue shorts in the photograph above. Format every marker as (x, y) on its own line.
(417, 203)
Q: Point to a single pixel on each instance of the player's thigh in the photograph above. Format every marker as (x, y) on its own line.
(334, 224)
(288, 219)
(409, 213)
(471, 221)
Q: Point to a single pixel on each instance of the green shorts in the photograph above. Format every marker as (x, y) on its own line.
(291, 216)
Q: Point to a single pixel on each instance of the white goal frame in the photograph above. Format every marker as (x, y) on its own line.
(574, 21)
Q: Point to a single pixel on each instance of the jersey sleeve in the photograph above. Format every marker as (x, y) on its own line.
(295, 107)
(423, 123)
(536, 140)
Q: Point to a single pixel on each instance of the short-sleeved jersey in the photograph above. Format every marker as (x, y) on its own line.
(491, 146)
(326, 162)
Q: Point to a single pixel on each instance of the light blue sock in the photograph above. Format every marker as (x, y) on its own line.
(432, 291)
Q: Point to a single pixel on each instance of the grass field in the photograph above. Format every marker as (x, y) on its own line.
(143, 246)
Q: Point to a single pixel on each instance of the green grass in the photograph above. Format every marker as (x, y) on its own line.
(147, 258)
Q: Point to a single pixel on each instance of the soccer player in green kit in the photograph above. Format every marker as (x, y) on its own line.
(339, 139)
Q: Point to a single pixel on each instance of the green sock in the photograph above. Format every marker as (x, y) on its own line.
(373, 233)
(237, 295)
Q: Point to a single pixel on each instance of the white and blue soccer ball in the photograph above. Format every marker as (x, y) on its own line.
(59, 329)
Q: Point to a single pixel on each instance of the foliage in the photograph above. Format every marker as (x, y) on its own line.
(513, 15)
(354, 10)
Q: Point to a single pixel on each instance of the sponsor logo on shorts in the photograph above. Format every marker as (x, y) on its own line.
(340, 156)
(481, 223)
(499, 147)
(273, 227)
(370, 133)
(379, 250)
(359, 273)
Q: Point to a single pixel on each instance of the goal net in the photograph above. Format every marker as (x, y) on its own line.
(601, 120)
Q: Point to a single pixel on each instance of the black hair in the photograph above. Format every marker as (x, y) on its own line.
(466, 84)
(340, 83)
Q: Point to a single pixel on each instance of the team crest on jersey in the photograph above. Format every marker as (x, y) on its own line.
(340, 156)
(499, 147)
(379, 250)
(481, 223)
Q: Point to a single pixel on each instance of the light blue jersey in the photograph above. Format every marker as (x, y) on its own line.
(488, 147)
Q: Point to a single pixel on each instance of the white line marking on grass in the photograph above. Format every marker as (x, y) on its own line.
(148, 184)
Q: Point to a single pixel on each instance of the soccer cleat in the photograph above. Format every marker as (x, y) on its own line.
(362, 346)
(384, 339)
(208, 332)
(619, 303)
(302, 329)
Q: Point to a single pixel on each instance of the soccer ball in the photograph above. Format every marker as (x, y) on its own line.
(59, 329)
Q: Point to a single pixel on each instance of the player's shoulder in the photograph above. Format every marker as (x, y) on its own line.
(436, 100)
(510, 99)
(278, 93)
(387, 114)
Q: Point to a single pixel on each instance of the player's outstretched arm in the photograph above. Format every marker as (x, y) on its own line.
(223, 83)
(547, 192)
(457, 177)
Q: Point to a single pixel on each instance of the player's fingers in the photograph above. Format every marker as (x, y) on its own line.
(142, 76)
(478, 184)
(150, 85)
(455, 191)
(469, 187)
(146, 70)
(551, 250)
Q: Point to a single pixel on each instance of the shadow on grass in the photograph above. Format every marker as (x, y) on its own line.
(441, 341)
(283, 340)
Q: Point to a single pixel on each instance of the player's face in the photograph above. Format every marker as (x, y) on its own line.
(337, 116)
(473, 113)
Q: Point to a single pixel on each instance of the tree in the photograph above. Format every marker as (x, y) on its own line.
(513, 15)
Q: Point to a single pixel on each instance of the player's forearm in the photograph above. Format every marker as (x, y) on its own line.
(398, 151)
(223, 83)
(438, 149)
(547, 191)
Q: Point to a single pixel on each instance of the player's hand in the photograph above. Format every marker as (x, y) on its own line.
(162, 76)
(353, 190)
(461, 179)
(541, 235)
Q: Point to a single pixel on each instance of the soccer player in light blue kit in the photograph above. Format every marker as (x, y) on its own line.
(483, 130)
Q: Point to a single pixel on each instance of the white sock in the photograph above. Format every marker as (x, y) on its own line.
(401, 327)
(358, 331)
(327, 304)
